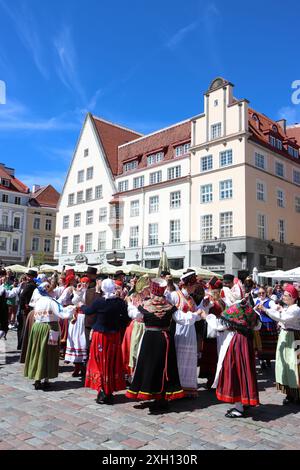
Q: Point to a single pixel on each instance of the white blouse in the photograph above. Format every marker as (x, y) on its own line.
(188, 318)
(46, 310)
(288, 318)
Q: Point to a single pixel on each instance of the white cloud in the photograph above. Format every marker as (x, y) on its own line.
(290, 113)
(27, 30)
(179, 36)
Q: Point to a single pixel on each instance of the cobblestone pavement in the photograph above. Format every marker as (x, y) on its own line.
(67, 417)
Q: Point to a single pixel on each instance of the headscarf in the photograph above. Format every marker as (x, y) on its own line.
(240, 317)
(108, 287)
(292, 291)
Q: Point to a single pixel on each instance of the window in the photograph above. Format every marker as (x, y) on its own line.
(226, 226)
(101, 241)
(207, 163)
(47, 245)
(35, 244)
(15, 245)
(153, 204)
(155, 177)
(226, 189)
(130, 165)
(155, 158)
(3, 243)
(98, 192)
(17, 200)
(79, 197)
(261, 226)
(259, 160)
(174, 172)
(293, 152)
(88, 242)
(174, 231)
(226, 158)
(134, 237)
(123, 186)
(89, 194)
(175, 200)
(17, 223)
(279, 169)
(281, 230)
(71, 199)
(206, 227)
(102, 214)
(134, 208)
(6, 183)
(206, 194)
(153, 234)
(280, 198)
(138, 182)
(36, 223)
(297, 204)
(80, 176)
(216, 130)
(76, 243)
(89, 217)
(86, 152)
(48, 225)
(216, 102)
(77, 219)
(272, 140)
(260, 191)
(66, 220)
(296, 177)
(182, 150)
(4, 198)
(64, 246)
(89, 173)
(279, 144)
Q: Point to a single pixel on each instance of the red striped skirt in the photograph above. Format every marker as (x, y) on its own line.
(105, 366)
(237, 381)
(126, 348)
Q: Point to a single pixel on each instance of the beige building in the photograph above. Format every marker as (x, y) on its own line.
(41, 222)
(245, 175)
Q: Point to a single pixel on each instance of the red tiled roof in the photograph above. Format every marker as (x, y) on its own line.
(16, 185)
(111, 136)
(294, 132)
(47, 196)
(163, 140)
(263, 127)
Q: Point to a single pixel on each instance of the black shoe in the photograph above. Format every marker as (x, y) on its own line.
(288, 400)
(38, 385)
(159, 405)
(100, 397)
(109, 400)
(46, 385)
(234, 413)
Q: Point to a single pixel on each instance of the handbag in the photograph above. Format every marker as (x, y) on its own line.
(53, 338)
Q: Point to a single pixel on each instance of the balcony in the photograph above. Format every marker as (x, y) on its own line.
(6, 228)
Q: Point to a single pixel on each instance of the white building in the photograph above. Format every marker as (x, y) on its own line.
(14, 197)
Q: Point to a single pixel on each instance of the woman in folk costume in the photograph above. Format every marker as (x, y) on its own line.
(185, 336)
(287, 368)
(156, 374)
(66, 299)
(76, 350)
(4, 295)
(268, 331)
(235, 379)
(209, 347)
(105, 365)
(42, 356)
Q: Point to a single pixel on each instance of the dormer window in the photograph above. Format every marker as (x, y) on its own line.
(130, 165)
(6, 182)
(279, 144)
(293, 152)
(274, 128)
(182, 149)
(272, 140)
(155, 158)
(255, 118)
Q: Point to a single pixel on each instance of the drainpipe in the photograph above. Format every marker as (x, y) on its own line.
(143, 228)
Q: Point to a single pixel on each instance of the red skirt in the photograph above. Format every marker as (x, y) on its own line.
(126, 348)
(105, 365)
(237, 381)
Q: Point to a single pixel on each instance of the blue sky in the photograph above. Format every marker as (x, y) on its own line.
(143, 64)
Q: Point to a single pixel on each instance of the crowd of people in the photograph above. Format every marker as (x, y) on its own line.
(153, 338)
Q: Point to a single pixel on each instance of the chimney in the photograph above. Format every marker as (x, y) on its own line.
(282, 123)
(35, 188)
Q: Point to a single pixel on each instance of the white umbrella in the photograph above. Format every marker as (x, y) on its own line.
(273, 274)
(47, 268)
(295, 272)
(17, 268)
(205, 272)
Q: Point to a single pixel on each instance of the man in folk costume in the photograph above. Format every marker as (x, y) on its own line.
(26, 291)
(235, 380)
(268, 331)
(4, 295)
(156, 374)
(232, 291)
(105, 365)
(287, 368)
(42, 358)
(185, 335)
(209, 344)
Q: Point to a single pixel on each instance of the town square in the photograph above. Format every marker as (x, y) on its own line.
(149, 229)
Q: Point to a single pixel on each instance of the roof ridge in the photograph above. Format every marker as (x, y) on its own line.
(156, 132)
(116, 125)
